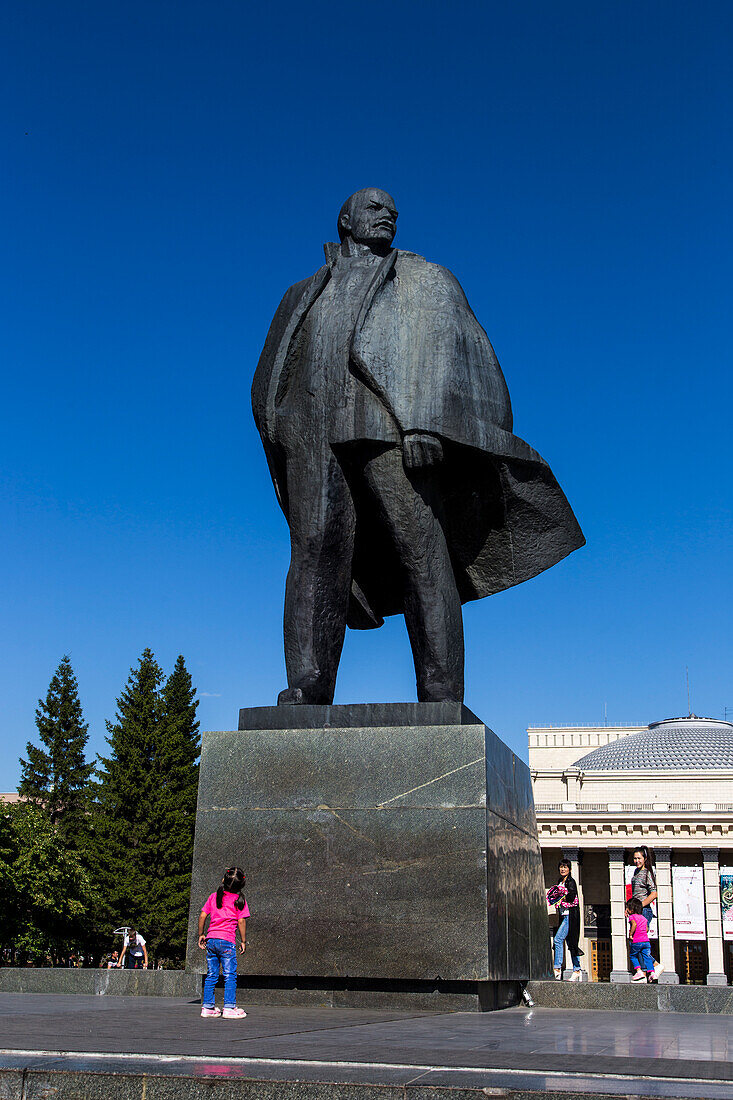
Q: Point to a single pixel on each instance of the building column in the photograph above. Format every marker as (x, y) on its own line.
(617, 890)
(713, 917)
(665, 923)
(574, 855)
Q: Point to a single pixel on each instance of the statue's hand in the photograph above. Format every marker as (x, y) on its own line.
(421, 449)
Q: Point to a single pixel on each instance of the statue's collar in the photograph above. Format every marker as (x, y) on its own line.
(332, 251)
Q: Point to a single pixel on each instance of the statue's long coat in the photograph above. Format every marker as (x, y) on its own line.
(418, 346)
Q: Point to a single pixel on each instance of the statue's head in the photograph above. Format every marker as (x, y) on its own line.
(369, 217)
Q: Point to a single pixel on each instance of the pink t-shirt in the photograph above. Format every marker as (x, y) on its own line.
(640, 933)
(223, 923)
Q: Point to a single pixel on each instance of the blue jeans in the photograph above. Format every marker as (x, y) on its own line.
(641, 956)
(560, 937)
(648, 913)
(221, 953)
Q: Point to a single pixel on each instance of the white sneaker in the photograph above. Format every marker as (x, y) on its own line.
(658, 968)
(639, 976)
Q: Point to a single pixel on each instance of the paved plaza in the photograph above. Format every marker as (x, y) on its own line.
(55, 1040)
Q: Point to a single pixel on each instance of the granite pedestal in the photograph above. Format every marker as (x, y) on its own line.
(391, 851)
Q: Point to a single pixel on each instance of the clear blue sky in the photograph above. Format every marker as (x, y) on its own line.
(170, 168)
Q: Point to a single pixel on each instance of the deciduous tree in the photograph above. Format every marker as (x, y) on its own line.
(47, 892)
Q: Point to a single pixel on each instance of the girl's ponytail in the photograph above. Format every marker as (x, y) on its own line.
(233, 883)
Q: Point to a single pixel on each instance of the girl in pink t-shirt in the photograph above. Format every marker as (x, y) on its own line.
(227, 911)
(639, 948)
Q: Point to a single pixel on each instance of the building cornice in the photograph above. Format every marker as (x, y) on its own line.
(674, 828)
(674, 774)
(585, 729)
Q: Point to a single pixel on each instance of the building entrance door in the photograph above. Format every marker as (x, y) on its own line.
(693, 963)
(600, 960)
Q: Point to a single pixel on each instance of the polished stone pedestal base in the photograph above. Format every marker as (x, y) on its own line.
(620, 977)
(383, 845)
(101, 983)
(633, 997)
(390, 996)
(567, 976)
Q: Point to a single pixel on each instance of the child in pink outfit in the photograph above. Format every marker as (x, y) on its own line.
(227, 911)
(640, 951)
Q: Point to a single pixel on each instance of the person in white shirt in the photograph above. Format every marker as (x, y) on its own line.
(135, 952)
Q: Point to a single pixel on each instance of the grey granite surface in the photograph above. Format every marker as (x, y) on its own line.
(110, 983)
(456, 996)
(164, 1083)
(634, 997)
(392, 853)
(148, 1048)
(347, 716)
(159, 1083)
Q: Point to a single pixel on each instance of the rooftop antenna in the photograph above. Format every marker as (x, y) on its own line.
(689, 708)
(605, 714)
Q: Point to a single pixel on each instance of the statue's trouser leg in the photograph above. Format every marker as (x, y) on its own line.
(322, 523)
(411, 508)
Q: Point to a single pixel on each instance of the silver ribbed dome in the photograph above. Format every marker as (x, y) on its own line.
(681, 743)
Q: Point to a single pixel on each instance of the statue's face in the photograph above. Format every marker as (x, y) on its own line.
(373, 219)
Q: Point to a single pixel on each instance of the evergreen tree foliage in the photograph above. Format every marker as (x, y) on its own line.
(174, 812)
(46, 891)
(125, 855)
(145, 808)
(57, 776)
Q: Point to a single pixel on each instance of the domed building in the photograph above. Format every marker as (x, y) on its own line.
(602, 791)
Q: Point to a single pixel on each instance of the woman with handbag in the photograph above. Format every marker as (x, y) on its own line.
(564, 895)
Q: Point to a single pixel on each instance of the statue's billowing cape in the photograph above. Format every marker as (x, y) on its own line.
(418, 346)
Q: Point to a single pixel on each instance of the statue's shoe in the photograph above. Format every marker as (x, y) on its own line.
(434, 691)
(309, 690)
(290, 696)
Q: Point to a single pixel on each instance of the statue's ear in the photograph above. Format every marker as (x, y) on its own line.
(345, 222)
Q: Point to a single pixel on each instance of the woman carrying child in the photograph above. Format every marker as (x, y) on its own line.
(227, 911)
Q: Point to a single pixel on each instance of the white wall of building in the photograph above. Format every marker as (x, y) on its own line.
(599, 817)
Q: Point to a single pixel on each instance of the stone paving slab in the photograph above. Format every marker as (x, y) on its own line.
(75, 1079)
(155, 1048)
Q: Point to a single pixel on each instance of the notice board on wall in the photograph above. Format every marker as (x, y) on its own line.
(726, 901)
(688, 903)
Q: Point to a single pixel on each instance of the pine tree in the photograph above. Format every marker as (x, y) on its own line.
(174, 812)
(57, 778)
(125, 863)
